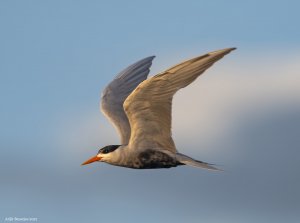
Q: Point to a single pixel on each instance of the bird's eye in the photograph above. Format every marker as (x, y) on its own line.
(105, 151)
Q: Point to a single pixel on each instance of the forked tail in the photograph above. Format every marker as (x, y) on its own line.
(195, 163)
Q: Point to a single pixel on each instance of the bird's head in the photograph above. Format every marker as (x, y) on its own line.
(105, 154)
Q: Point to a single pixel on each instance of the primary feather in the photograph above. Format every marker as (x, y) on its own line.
(118, 90)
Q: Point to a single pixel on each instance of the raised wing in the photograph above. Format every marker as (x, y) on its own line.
(118, 90)
(148, 107)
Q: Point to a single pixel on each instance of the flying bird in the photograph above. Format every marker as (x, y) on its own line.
(140, 110)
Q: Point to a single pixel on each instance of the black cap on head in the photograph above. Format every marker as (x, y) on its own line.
(108, 149)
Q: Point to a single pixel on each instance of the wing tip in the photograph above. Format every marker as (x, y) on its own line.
(146, 60)
(150, 58)
(223, 51)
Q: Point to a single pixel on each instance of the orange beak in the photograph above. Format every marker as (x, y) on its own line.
(91, 160)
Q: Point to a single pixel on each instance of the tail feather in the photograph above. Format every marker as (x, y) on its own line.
(195, 163)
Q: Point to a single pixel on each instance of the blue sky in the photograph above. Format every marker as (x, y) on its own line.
(56, 56)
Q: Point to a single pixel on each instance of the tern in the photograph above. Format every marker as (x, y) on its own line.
(140, 110)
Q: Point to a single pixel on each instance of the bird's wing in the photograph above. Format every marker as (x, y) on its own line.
(118, 90)
(148, 107)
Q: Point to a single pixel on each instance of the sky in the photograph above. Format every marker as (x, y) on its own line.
(243, 114)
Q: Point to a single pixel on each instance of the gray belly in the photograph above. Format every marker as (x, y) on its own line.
(152, 159)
